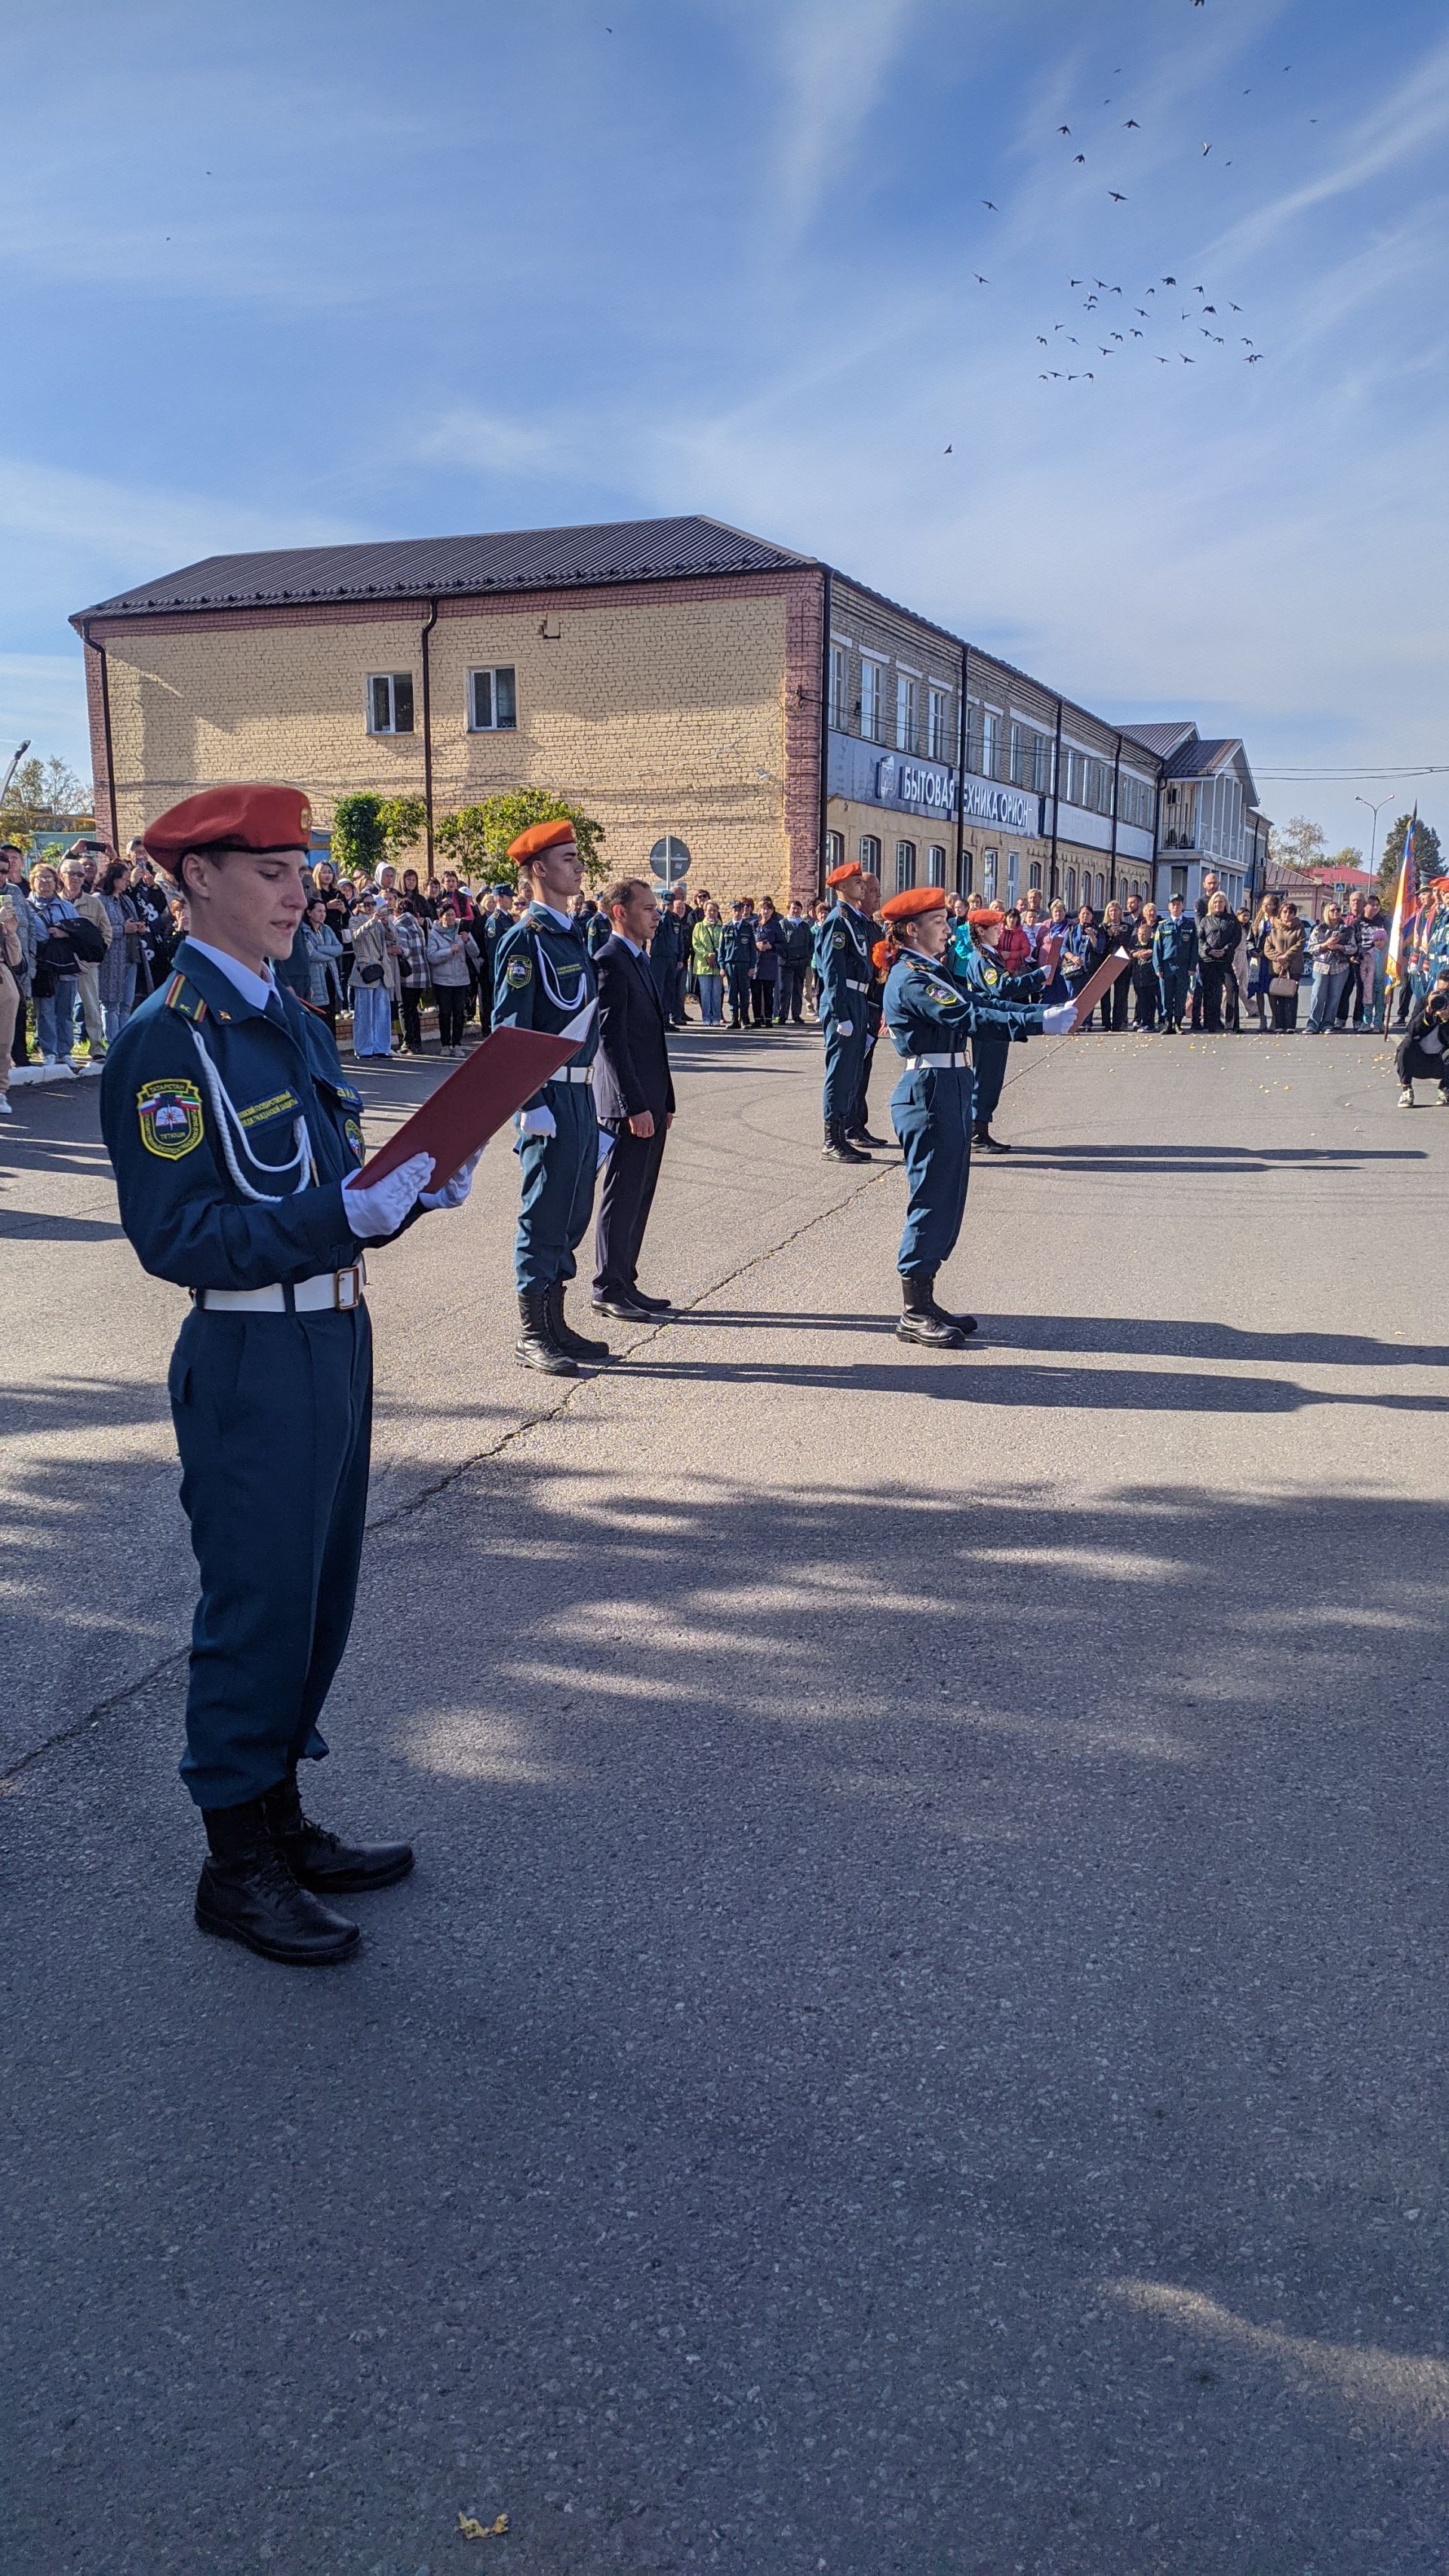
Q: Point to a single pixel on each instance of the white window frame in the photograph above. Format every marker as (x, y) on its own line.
(988, 876)
(873, 669)
(1013, 876)
(492, 672)
(905, 865)
(936, 864)
(908, 708)
(870, 854)
(839, 684)
(938, 722)
(388, 680)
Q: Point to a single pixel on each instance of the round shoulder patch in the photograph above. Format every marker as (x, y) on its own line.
(839, 940)
(518, 971)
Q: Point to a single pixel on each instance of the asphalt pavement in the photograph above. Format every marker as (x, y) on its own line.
(915, 2042)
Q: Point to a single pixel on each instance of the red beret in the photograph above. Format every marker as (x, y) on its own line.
(230, 818)
(914, 901)
(987, 916)
(843, 875)
(541, 836)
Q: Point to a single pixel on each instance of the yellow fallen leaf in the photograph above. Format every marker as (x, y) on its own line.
(473, 2530)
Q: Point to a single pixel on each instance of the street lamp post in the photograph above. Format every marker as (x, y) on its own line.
(1376, 811)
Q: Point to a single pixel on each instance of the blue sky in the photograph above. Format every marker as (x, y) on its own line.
(339, 269)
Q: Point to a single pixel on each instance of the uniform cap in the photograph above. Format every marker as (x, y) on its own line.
(230, 818)
(1439, 885)
(915, 900)
(842, 875)
(541, 836)
(987, 916)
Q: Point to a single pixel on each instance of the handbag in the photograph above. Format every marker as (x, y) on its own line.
(367, 974)
(87, 941)
(1283, 987)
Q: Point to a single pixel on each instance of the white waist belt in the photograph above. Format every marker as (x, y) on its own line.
(852, 987)
(331, 1292)
(920, 1063)
(573, 1073)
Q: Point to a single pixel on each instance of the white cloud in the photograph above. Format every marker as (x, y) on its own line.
(834, 55)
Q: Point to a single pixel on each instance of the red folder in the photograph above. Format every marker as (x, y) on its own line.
(460, 1116)
(1096, 985)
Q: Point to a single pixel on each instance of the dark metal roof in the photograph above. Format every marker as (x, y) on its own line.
(1161, 738)
(618, 550)
(1200, 759)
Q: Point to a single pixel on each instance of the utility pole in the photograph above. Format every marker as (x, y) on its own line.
(1376, 811)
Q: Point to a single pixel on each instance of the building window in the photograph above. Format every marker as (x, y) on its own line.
(990, 741)
(907, 696)
(963, 876)
(492, 701)
(871, 675)
(1033, 876)
(1069, 892)
(389, 702)
(938, 714)
(870, 854)
(1013, 874)
(669, 859)
(988, 876)
(905, 865)
(935, 865)
(834, 851)
(837, 687)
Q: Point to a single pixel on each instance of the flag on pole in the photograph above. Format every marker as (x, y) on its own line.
(1406, 905)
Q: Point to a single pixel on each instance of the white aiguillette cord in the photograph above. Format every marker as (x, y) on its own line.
(226, 1118)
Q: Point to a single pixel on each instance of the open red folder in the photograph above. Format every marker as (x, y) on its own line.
(458, 1118)
(1090, 993)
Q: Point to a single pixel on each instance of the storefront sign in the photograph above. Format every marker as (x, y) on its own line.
(867, 775)
(983, 800)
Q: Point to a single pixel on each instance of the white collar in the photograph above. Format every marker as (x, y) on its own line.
(256, 989)
(565, 920)
(629, 943)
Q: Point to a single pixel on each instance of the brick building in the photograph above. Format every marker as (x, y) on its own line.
(724, 707)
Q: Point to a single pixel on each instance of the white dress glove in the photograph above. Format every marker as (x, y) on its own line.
(845, 1028)
(453, 1192)
(537, 1122)
(380, 1208)
(1059, 1016)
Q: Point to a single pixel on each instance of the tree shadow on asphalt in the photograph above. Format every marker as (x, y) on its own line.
(1203, 1160)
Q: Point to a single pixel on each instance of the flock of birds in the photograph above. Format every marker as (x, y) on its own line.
(1214, 322)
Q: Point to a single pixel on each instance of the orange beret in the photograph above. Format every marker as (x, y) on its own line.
(541, 836)
(843, 875)
(230, 818)
(914, 901)
(987, 916)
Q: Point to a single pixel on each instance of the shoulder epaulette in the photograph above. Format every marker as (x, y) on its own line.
(183, 997)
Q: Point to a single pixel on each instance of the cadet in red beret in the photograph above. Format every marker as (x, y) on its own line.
(543, 977)
(236, 1141)
(975, 963)
(842, 967)
(930, 1016)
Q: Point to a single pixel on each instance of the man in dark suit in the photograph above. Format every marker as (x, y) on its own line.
(633, 1096)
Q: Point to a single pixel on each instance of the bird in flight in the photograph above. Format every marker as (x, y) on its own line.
(1117, 335)
(991, 210)
(1187, 362)
(1136, 334)
(980, 280)
(1164, 362)
(1078, 156)
(1131, 120)
(946, 450)
(1234, 308)
(1206, 149)
(1042, 340)
(1118, 200)
(1064, 129)
(1254, 359)
(1167, 281)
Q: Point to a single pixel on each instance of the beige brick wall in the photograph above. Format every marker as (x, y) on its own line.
(658, 710)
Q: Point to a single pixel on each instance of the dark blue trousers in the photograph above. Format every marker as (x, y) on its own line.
(558, 1189)
(931, 1113)
(273, 1418)
(1172, 986)
(988, 1058)
(844, 1060)
(738, 985)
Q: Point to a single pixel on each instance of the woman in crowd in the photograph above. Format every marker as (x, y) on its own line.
(452, 955)
(413, 899)
(1116, 933)
(764, 974)
(409, 927)
(1054, 932)
(1014, 946)
(324, 962)
(121, 966)
(57, 971)
(819, 914)
(1245, 970)
(1218, 936)
(166, 937)
(704, 961)
(374, 978)
(12, 999)
(1283, 957)
(1146, 998)
(1084, 951)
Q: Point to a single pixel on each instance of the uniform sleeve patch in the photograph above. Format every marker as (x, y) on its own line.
(944, 993)
(518, 972)
(170, 1116)
(353, 1131)
(838, 940)
(261, 1111)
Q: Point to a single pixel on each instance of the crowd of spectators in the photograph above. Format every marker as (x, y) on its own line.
(83, 941)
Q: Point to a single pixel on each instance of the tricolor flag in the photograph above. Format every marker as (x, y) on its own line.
(1406, 905)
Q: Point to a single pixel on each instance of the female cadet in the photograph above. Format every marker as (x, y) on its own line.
(930, 1016)
(974, 960)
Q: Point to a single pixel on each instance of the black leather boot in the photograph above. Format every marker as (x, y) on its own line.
(837, 1147)
(537, 1345)
(247, 1892)
(920, 1321)
(863, 1136)
(577, 1345)
(943, 1314)
(991, 1144)
(322, 1861)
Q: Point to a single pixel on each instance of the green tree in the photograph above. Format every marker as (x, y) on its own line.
(359, 843)
(404, 820)
(43, 795)
(476, 839)
(1426, 853)
(1299, 844)
(1347, 857)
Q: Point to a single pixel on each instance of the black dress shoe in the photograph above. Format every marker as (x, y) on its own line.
(990, 1144)
(624, 1306)
(863, 1136)
(656, 1305)
(254, 1898)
